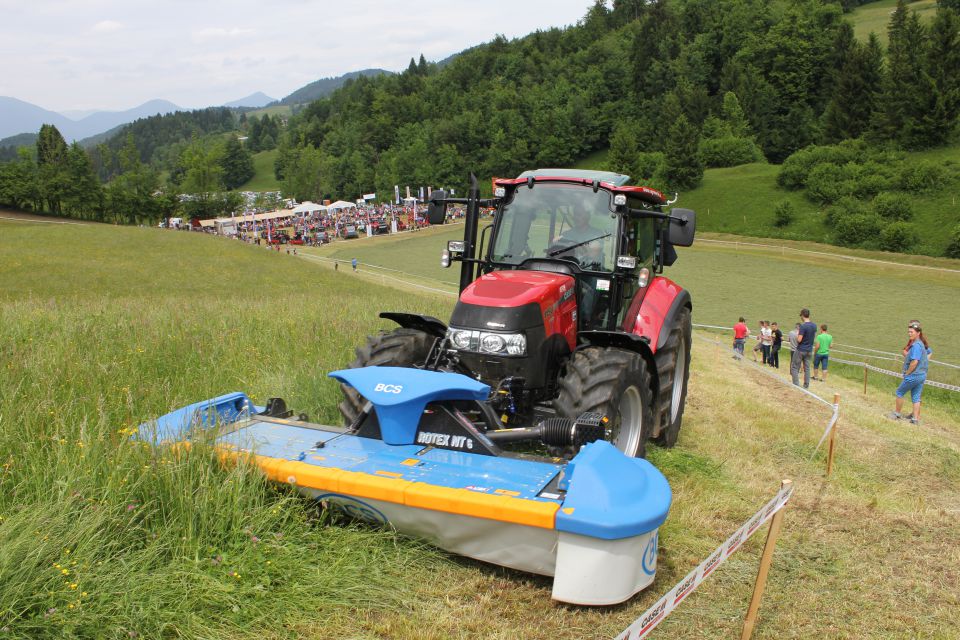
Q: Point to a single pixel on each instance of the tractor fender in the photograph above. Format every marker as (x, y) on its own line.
(660, 304)
(428, 324)
(621, 340)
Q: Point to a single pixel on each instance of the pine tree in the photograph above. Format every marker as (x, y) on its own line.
(237, 164)
(623, 149)
(682, 166)
(51, 166)
(900, 109)
(938, 118)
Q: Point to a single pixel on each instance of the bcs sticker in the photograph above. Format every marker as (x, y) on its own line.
(389, 388)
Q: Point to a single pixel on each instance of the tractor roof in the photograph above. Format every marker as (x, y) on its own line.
(616, 179)
(615, 182)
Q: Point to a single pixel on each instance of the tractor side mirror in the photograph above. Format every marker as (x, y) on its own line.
(682, 230)
(437, 207)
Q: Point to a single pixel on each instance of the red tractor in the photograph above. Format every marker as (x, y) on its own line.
(562, 311)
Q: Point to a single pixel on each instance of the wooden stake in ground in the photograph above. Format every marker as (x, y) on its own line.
(864, 378)
(833, 434)
(765, 560)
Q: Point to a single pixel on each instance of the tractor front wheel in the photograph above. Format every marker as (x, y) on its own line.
(673, 369)
(397, 348)
(614, 382)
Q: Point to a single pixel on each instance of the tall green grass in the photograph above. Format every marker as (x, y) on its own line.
(103, 327)
(103, 536)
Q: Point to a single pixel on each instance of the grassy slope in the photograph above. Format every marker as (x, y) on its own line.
(98, 331)
(875, 17)
(865, 304)
(264, 178)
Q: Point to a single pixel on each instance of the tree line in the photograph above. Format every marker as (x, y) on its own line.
(667, 86)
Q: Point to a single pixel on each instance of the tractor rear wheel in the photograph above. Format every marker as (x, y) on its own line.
(673, 371)
(397, 348)
(614, 382)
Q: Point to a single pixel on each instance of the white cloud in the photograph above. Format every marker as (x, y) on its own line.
(107, 26)
(190, 52)
(213, 33)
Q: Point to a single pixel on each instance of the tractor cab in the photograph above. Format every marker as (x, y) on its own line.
(568, 227)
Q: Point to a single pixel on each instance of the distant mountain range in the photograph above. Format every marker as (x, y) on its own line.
(20, 121)
(17, 116)
(325, 86)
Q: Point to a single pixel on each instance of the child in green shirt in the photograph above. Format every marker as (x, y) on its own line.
(821, 354)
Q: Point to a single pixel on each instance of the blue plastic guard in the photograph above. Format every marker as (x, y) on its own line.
(612, 496)
(175, 425)
(400, 395)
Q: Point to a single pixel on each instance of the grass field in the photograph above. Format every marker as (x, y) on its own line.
(264, 179)
(102, 327)
(865, 304)
(875, 17)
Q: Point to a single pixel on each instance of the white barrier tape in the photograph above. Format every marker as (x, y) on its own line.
(380, 275)
(848, 346)
(642, 626)
(931, 383)
(838, 256)
(830, 426)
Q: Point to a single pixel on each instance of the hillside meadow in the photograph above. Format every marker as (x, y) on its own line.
(103, 327)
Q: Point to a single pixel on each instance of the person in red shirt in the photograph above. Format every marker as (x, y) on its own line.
(740, 333)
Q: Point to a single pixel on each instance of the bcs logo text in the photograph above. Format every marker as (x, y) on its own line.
(389, 388)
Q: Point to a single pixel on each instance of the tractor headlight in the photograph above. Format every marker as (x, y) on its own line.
(492, 343)
(505, 344)
(460, 338)
(516, 344)
(445, 259)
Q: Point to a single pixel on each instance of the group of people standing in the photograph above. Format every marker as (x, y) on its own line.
(808, 348)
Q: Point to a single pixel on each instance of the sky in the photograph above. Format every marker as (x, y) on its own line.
(69, 55)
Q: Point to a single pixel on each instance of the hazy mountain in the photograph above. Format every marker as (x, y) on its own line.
(255, 100)
(17, 116)
(325, 86)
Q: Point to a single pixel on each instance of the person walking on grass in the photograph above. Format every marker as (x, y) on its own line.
(822, 354)
(740, 333)
(915, 360)
(775, 346)
(803, 356)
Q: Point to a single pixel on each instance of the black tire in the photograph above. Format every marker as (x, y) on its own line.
(673, 372)
(615, 382)
(397, 348)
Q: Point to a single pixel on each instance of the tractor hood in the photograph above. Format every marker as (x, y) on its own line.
(517, 288)
(514, 300)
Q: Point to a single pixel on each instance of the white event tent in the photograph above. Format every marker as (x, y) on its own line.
(308, 208)
(341, 204)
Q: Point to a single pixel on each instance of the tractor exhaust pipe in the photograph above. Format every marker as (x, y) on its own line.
(471, 223)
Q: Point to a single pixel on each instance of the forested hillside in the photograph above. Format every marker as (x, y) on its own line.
(666, 88)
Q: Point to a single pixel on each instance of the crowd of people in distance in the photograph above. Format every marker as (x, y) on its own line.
(810, 353)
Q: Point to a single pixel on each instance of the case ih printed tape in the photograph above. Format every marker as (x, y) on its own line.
(642, 626)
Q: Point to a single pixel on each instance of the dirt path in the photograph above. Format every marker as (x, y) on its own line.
(11, 215)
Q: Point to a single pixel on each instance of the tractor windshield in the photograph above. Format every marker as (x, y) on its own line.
(556, 220)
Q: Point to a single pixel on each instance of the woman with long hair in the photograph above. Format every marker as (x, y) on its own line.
(915, 360)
